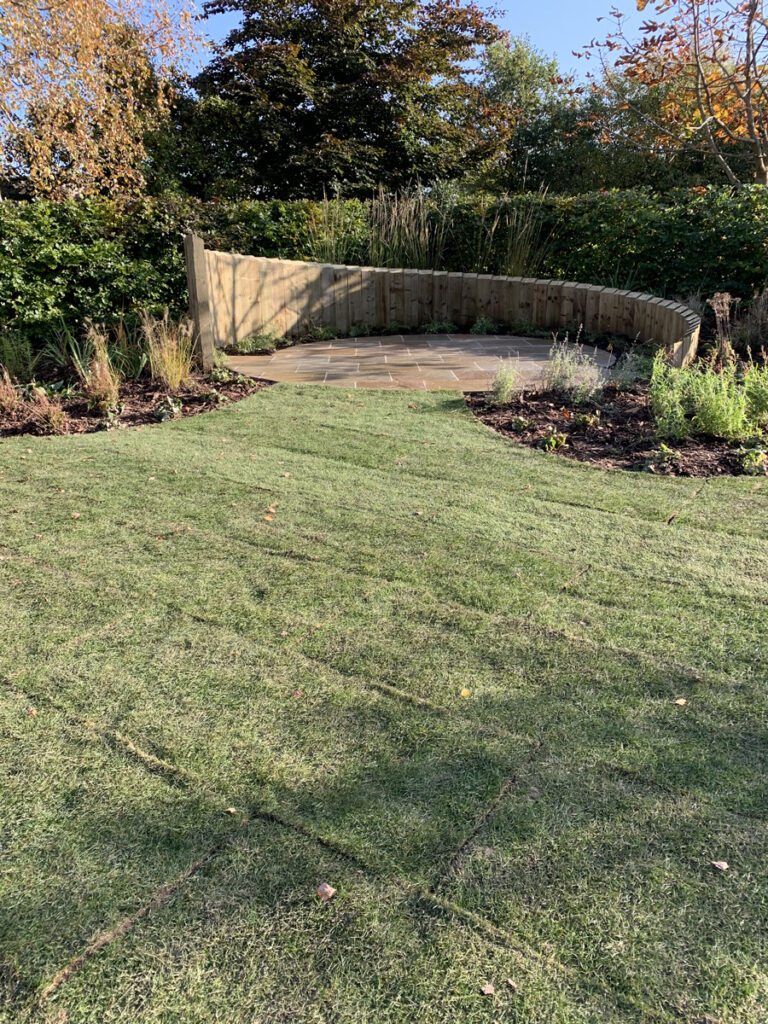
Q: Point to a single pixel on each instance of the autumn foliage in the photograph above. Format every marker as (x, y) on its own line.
(81, 81)
(707, 62)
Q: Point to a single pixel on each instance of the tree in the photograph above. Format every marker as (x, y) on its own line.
(315, 94)
(81, 82)
(708, 61)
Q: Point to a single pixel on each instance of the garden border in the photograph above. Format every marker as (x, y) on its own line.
(233, 296)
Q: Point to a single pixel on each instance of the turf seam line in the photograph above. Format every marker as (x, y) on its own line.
(485, 817)
(686, 503)
(101, 629)
(560, 590)
(128, 923)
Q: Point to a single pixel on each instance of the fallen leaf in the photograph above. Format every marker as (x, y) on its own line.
(32, 712)
(465, 692)
(298, 693)
(231, 810)
(325, 892)
(284, 632)
(268, 519)
(75, 515)
(286, 475)
(418, 513)
(488, 989)
(511, 985)
(721, 865)
(681, 702)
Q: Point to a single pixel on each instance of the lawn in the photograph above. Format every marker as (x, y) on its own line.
(357, 638)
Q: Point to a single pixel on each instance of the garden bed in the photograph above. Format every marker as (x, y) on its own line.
(616, 432)
(143, 402)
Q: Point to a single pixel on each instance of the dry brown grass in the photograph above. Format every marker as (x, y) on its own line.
(9, 396)
(48, 414)
(171, 349)
(101, 381)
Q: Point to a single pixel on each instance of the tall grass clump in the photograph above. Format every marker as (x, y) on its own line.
(526, 247)
(9, 396)
(709, 400)
(99, 378)
(336, 230)
(16, 355)
(409, 229)
(170, 349)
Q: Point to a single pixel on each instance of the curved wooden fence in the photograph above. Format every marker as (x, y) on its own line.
(233, 296)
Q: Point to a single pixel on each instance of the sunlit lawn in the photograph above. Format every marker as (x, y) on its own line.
(510, 707)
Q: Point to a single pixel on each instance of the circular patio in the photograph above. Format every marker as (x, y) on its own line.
(461, 362)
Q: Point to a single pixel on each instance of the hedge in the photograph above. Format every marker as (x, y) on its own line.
(68, 261)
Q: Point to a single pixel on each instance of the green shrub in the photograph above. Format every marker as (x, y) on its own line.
(706, 400)
(16, 355)
(439, 327)
(484, 325)
(571, 373)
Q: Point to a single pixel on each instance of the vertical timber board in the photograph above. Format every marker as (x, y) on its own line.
(554, 304)
(496, 298)
(355, 296)
(513, 291)
(216, 305)
(468, 300)
(540, 290)
(607, 311)
(579, 305)
(627, 314)
(424, 308)
(567, 318)
(326, 301)
(440, 295)
(395, 297)
(411, 298)
(592, 308)
(527, 284)
(288, 316)
(640, 317)
(250, 318)
(199, 298)
(368, 296)
(483, 295)
(314, 293)
(340, 301)
(381, 286)
(453, 298)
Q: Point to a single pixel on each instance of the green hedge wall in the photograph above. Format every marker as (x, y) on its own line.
(68, 261)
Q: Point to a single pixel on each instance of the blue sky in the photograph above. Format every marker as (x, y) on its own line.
(554, 26)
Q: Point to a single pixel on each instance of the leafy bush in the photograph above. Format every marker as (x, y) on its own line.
(708, 400)
(439, 327)
(63, 263)
(484, 325)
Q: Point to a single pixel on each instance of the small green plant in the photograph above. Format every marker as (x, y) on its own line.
(571, 373)
(438, 327)
(756, 389)
(9, 396)
(662, 460)
(168, 409)
(525, 329)
(553, 440)
(630, 369)
(753, 458)
(520, 424)
(170, 348)
(254, 345)
(393, 327)
(484, 325)
(360, 330)
(314, 330)
(586, 419)
(504, 384)
(216, 397)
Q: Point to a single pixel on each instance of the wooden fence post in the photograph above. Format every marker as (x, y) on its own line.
(199, 303)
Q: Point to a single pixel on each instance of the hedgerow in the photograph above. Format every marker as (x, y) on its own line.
(65, 262)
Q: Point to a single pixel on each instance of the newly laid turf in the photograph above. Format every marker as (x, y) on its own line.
(510, 707)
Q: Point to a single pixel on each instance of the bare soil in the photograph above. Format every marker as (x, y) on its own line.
(616, 433)
(142, 401)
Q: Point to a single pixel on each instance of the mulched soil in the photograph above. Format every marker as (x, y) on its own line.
(616, 433)
(141, 400)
